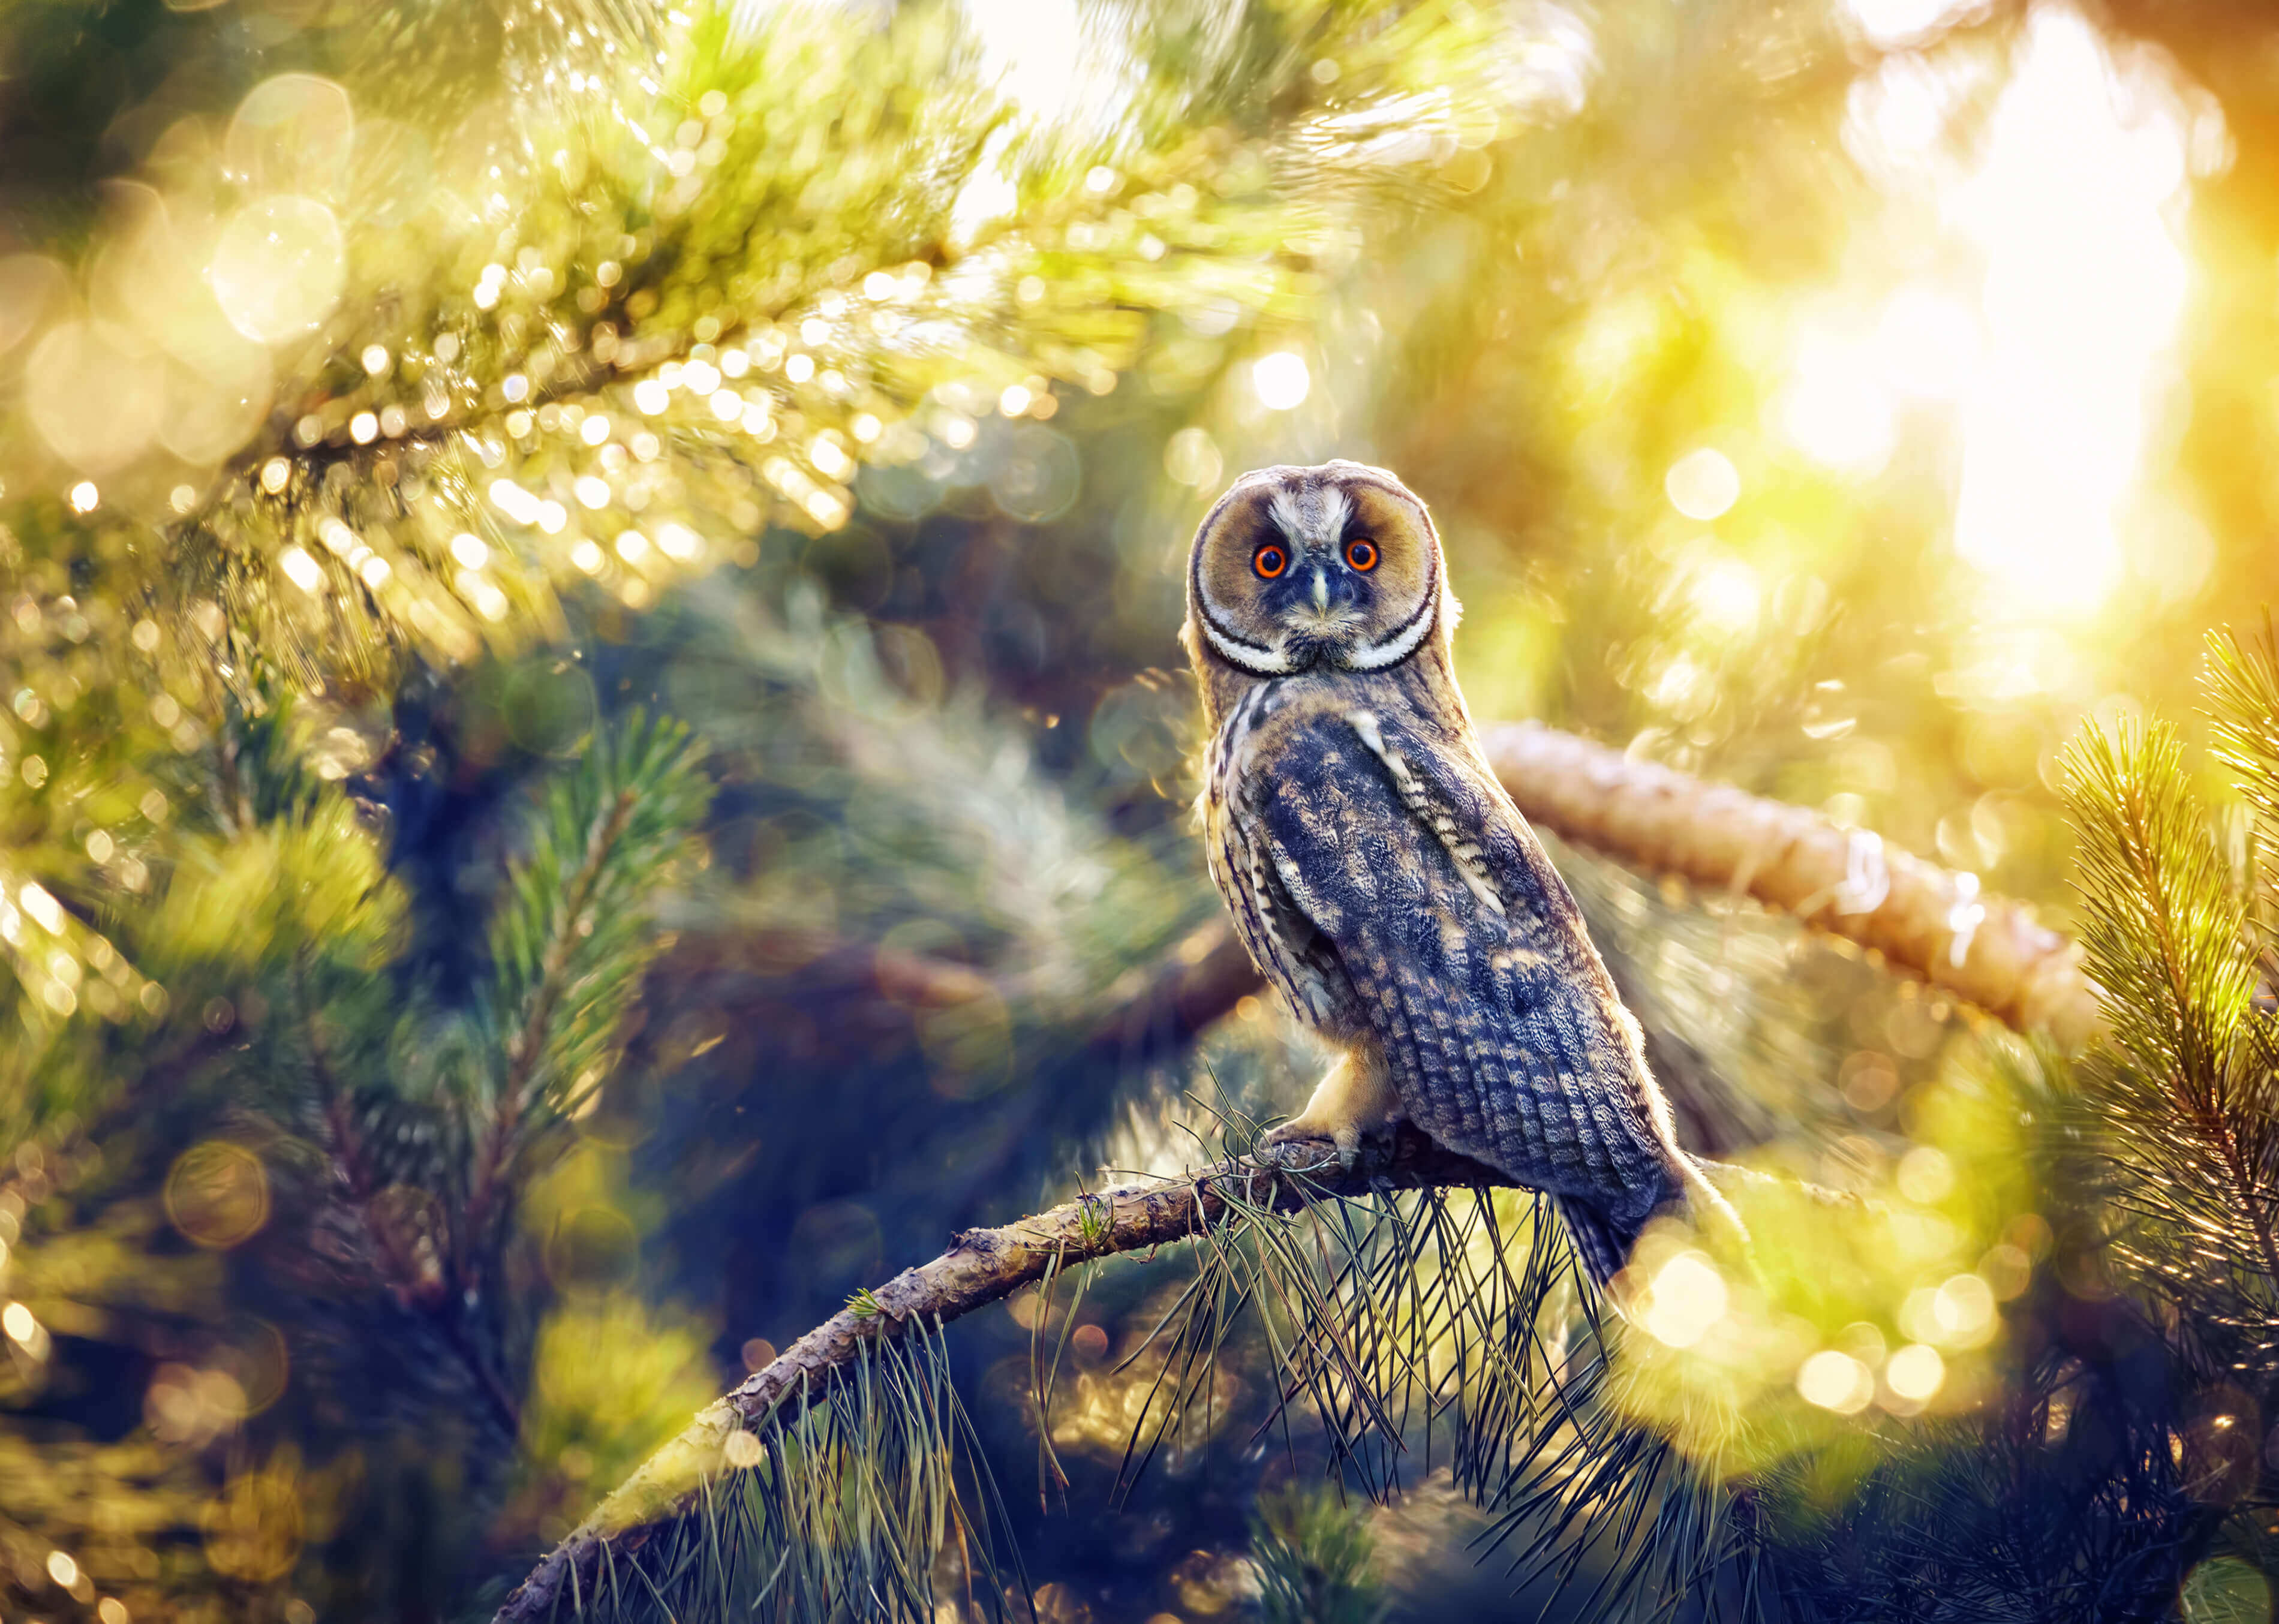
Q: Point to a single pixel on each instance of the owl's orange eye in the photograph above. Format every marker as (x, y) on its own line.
(1360, 553)
(1270, 561)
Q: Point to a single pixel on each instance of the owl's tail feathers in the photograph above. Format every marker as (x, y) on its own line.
(1599, 1241)
(1603, 1242)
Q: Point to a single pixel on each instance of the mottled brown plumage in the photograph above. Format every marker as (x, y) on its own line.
(1381, 877)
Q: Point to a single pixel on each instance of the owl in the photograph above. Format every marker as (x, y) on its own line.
(1382, 879)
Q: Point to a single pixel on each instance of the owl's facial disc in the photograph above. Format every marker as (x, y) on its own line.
(1300, 567)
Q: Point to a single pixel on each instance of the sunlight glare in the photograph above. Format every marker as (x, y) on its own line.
(1702, 484)
(1837, 408)
(1927, 344)
(1030, 50)
(1890, 22)
(1686, 1297)
(2084, 283)
(1033, 52)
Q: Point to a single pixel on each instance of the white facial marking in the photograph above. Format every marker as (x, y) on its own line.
(1393, 649)
(1406, 638)
(1249, 656)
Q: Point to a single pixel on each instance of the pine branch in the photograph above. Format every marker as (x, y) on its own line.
(409, 1284)
(416, 1287)
(530, 1043)
(982, 1266)
(2242, 685)
(572, 944)
(987, 1266)
(2242, 680)
(2183, 1107)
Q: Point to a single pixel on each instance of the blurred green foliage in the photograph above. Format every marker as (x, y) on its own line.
(1314, 1561)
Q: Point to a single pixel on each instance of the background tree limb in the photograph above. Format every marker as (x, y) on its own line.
(1924, 920)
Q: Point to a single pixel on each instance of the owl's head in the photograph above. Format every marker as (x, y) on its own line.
(1296, 568)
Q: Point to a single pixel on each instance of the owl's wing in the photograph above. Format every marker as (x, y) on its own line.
(1281, 940)
(1468, 958)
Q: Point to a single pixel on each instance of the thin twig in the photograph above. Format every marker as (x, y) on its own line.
(530, 1043)
(416, 1290)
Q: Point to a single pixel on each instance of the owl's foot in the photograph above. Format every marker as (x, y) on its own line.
(1355, 1105)
(1353, 1143)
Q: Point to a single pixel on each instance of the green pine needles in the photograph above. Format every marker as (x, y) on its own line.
(2184, 1102)
(1314, 1560)
(334, 1142)
(1376, 1338)
(864, 1496)
(571, 945)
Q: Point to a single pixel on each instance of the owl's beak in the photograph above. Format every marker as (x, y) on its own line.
(1323, 619)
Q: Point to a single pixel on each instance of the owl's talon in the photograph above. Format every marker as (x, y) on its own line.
(1354, 1107)
(1297, 1132)
(1367, 1149)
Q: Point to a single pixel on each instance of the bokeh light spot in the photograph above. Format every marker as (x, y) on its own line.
(278, 267)
(302, 569)
(295, 133)
(1963, 1310)
(1835, 1381)
(1915, 1373)
(1703, 484)
(1281, 381)
(1926, 1174)
(2225, 1591)
(1687, 1297)
(1192, 457)
(1726, 596)
(94, 393)
(217, 1194)
(30, 288)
